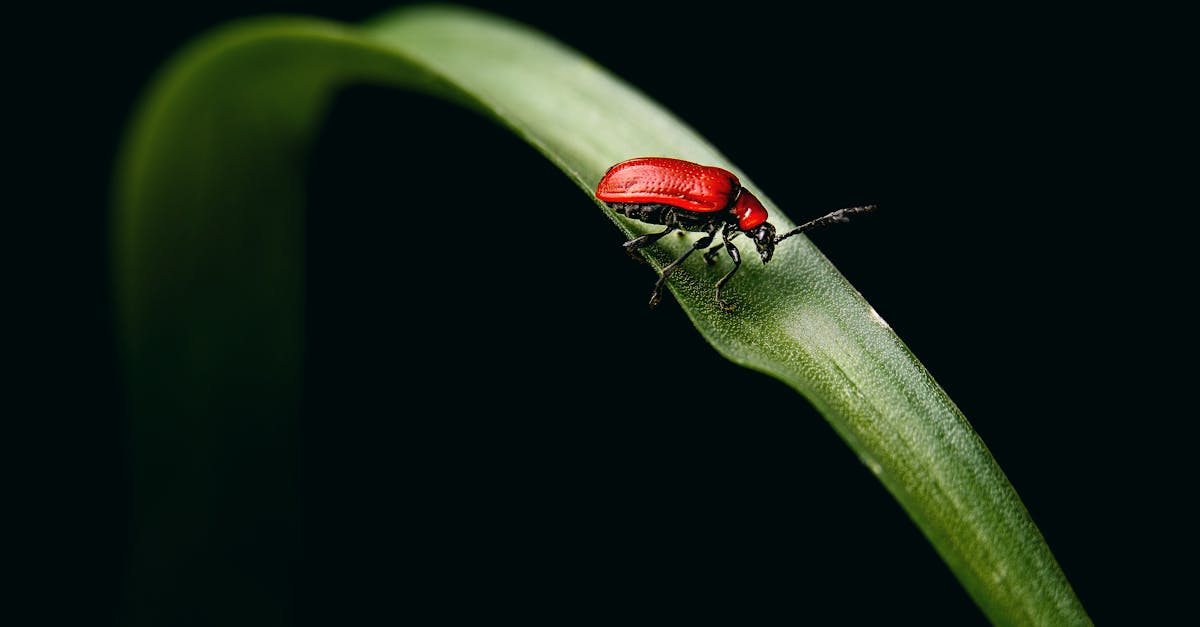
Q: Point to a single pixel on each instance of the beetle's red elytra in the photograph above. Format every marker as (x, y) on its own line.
(687, 196)
(681, 184)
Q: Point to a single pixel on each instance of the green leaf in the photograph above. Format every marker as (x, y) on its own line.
(209, 270)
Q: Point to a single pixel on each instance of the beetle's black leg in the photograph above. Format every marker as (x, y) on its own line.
(737, 263)
(710, 257)
(701, 243)
(638, 243)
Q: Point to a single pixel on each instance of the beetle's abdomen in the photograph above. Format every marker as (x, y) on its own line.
(673, 182)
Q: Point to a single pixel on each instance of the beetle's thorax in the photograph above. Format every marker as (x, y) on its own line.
(748, 210)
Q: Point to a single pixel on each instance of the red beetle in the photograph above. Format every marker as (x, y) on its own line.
(692, 197)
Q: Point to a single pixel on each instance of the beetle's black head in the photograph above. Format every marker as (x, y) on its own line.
(764, 239)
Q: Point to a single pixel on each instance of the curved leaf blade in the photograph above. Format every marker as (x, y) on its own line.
(213, 158)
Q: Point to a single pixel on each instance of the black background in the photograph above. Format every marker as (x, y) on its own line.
(1028, 252)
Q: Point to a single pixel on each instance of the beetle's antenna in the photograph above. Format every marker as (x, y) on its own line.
(841, 215)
